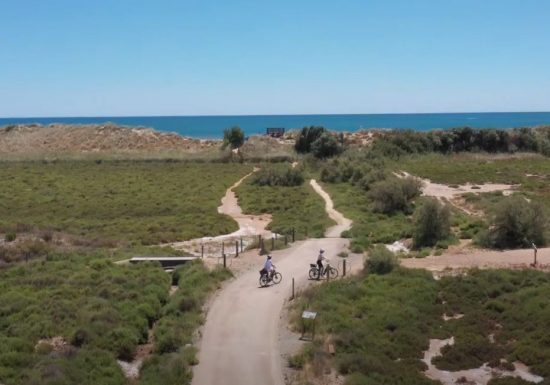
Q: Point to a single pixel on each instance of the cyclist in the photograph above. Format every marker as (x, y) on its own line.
(320, 259)
(269, 268)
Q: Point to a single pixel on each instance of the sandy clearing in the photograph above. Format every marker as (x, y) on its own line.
(454, 195)
(342, 223)
(483, 259)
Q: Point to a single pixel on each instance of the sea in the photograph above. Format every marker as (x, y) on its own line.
(213, 126)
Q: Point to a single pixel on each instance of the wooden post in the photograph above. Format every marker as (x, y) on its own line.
(344, 268)
(241, 244)
(223, 248)
(236, 248)
(224, 261)
(535, 251)
(202, 250)
(292, 288)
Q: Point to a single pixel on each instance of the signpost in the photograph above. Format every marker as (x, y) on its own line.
(308, 318)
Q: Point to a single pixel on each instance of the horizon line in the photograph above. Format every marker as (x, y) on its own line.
(249, 115)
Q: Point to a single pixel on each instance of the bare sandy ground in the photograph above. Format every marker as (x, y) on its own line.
(454, 194)
(240, 343)
(483, 259)
(342, 223)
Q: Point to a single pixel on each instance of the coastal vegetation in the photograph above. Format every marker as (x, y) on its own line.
(98, 311)
(380, 325)
(277, 190)
(114, 202)
(180, 317)
(233, 137)
(67, 318)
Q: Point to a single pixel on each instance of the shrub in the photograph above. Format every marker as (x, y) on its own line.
(278, 177)
(306, 137)
(325, 146)
(394, 194)
(432, 223)
(233, 137)
(10, 237)
(381, 261)
(516, 223)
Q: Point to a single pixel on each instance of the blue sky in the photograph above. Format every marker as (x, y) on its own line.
(119, 57)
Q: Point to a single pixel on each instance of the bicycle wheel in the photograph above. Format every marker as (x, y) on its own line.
(313, 273)
(333, 273)
(277, 277)
(264, 281)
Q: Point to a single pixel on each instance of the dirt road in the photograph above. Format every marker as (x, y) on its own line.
(480, 259)
(240, 343)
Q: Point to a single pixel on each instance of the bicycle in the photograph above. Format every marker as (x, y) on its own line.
(314, 272)
(276, 278)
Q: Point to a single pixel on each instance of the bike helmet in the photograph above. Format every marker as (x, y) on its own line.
(269, 257)
(321, 251)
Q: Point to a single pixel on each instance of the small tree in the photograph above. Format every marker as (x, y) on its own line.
(381, 260)
(432, 223)
(516, 223)
(233, 137)
(306, 137)
(392, 195)
(325, 146)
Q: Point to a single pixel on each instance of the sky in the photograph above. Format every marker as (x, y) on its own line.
(239, 57)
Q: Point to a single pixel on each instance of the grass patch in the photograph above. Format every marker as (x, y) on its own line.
(141, 202)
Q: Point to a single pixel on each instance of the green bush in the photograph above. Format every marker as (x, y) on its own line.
(10, 237)
(432, 223)
(306, 137)
(516, 223)
(381, 260)
(395, 194)
(325, 146)
(233, 137)
(277, 176)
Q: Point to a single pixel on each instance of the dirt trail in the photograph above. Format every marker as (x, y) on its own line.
(484, 259)
(342, 223)
(249, 226)
(240, 337)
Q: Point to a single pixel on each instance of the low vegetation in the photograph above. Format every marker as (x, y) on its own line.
(381, 261)
(380, 325)
(102, 311)
(394, 195)
(293, 206)
(278, 176)
(180, 317)
(110, 202)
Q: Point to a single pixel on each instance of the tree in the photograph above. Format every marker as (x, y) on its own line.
(325, 146)
(233, 137)
(306, 137)
(432, 223)
(517, 223)
(393, 194)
